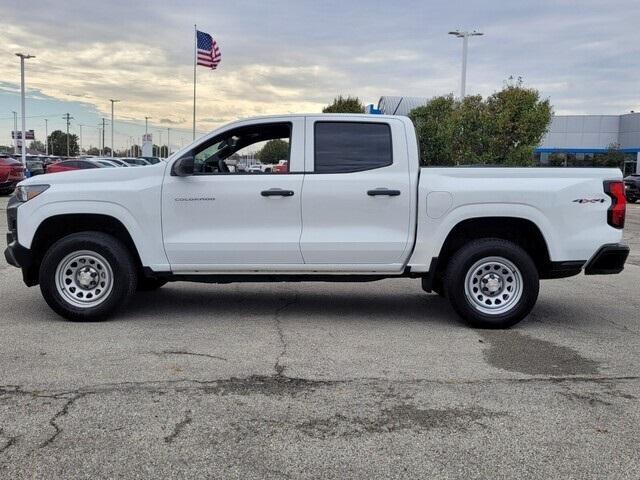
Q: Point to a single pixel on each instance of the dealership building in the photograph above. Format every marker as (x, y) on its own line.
(574, 138)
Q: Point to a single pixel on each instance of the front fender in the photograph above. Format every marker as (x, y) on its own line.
(146, 237)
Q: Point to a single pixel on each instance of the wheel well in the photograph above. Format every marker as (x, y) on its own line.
(54, 228)
(523, 232)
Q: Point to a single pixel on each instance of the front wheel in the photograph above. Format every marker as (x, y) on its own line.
(87, 276)
(492, 283)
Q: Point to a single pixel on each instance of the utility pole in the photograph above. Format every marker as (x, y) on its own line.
(23, 141)
(15, 133)
(146, 120)
(465, 46)
(112, 103)
(68, 118)
(46, 136)
(168, 141)
(160, 144)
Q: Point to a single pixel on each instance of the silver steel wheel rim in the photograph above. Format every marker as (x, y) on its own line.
(493, 285)
(84, 279)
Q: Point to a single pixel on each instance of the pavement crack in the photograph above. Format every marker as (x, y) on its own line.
(178, 427)
(53, 421)
(278, 366)
(11, 440)
(194, 354)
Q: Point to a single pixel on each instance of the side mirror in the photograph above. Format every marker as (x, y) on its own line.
(183, 167)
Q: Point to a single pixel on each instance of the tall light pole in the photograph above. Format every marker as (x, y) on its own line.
(160, 144)
(80, 149)
(146, 124)
(168, 141)
(465, 46)
(23, 57)
(112, 102)
(46, 136)
(15, 132)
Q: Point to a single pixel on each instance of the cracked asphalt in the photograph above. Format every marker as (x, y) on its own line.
(314, 380)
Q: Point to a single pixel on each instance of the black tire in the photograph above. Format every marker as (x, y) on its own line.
(518, 274)
(113, 252)
(146, 284)
(6, 191)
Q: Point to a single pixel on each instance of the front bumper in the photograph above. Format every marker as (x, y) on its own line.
(609, 259)
(16, 254)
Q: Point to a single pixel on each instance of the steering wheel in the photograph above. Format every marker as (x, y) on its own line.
(222, 166)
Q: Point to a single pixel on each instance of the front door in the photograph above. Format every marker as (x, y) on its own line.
(237, 212)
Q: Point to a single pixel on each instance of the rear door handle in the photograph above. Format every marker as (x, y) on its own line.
(276, 192)
(383, 191)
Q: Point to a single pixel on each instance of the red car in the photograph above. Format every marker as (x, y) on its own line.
(67, 165)
(11, 172)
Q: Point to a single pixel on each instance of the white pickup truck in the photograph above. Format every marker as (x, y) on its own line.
(354, 204)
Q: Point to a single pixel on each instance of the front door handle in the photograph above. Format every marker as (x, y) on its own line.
(276, 192)
(383, 191)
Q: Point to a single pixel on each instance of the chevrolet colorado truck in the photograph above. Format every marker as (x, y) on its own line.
(353, 204)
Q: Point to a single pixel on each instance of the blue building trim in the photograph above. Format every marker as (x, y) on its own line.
(583, 150)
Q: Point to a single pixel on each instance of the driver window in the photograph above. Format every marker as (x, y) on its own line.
(255, 149)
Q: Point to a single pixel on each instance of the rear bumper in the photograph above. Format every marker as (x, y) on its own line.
(609, 259)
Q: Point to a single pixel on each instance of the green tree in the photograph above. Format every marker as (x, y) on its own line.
(37, 146)
(344, 105)
(503, 129)
(273, 151)
(58, 143)
(93, 151)
(613, 157)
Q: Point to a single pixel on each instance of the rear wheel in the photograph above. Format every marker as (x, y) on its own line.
(492, 283)
(87, 276)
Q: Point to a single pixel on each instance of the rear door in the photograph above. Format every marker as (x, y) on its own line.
(356, 199)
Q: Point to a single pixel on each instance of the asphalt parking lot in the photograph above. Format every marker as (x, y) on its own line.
(316, 380)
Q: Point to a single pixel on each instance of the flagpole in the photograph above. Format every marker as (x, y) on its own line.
(195, 57)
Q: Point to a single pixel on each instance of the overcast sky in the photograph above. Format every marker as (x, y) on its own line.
(294, 56)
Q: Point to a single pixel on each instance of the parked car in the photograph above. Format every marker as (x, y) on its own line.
(69, 165)
(151, 160)
(632, 187)
(135, 162)
(11, 172)
(483, 237)
(106, 163)
(281, 167)
(117, 161)
(35, 165)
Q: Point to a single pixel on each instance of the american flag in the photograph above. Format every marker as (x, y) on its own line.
(208, 52)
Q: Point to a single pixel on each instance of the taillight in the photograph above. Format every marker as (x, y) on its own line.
(618, 209)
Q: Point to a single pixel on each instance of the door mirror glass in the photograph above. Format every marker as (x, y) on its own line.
(183, 167)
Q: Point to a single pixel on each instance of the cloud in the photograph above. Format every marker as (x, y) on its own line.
(168, 121)
(282, 56)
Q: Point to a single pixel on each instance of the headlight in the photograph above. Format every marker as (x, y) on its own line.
(27, 192)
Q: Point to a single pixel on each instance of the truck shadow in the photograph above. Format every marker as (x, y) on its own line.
(307, 303)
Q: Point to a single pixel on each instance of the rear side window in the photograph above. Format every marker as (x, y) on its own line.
(343, 147)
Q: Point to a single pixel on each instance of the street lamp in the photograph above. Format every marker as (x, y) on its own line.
(15, 132)
(23, 57)
(465, 45)
(112, 102)
(46, 136)
(80, 149)
(146, 122)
